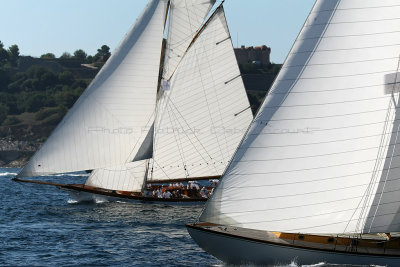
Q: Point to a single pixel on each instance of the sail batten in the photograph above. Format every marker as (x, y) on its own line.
(326, 137)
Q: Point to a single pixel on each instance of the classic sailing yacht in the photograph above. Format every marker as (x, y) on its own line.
(316, 178)
(158, 111)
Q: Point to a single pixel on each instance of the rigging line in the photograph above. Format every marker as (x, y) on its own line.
(310, 181)
(162, 169)
(198, 33)
(314, 156)
(336, 76)
(226, 200)
(358, 8)
(312, 53)
(311, 130)
(221, 199)
(308, 169)
(391, 159)
(301, 217)
(207, 104)
(193, 132)
(329, 116)
(179, 144)
(317, 143)
(351, 22)
(340, 63)
(303, 206)
(384, 130)
(377, 165)
(215, 35)
(344, 49)
(350, 35)
(276, 91)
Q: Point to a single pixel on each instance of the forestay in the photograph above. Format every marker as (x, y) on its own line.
(204, 114)
(107, 125)
(185, 19)
(317, 156)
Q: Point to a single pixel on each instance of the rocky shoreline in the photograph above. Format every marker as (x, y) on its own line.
(16, 154)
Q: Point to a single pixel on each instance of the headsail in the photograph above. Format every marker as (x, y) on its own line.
(199, 117)
(105, 126)
(186, 17)
(322, 142)
(127, 177)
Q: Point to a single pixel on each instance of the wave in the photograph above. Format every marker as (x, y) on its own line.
(8, 173)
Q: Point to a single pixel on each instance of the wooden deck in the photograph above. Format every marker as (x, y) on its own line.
(367, 244)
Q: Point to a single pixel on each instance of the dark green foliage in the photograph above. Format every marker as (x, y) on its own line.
(48, 56)
(254, 68)
(3, 54)
(45, 113)
(36, 100)
(103, 53)
(66, 55)
(66, 78)
(11, 120)
(4, 80)
(3, 112)
(13, 52)
(80, 55)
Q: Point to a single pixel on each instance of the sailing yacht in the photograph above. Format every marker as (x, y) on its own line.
(316, 177)
(160, 110)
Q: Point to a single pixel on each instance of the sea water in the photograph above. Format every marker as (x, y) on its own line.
(42, 226)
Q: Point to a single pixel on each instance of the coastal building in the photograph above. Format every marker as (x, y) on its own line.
(257, 54)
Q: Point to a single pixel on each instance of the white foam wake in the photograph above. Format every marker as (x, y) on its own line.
(8, 174)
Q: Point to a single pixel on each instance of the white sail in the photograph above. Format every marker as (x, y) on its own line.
(203, 112)
(318, 150)
(106, 125)
(186, 17)
(127, 177)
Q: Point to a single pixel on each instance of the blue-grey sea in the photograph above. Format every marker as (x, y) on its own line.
(42, 226)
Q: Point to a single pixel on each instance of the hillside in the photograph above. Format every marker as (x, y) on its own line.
(35, 94)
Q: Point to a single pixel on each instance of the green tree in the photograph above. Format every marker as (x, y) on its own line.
(13, 52)
(66, 77)
(3, 112)
(66, 55)
(48, 56)
(80, 55)
(4, 80)
(103, 53)
(3, 54)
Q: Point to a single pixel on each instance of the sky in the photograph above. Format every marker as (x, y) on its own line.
(57, 26)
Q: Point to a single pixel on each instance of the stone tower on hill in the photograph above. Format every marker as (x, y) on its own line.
(259, 54)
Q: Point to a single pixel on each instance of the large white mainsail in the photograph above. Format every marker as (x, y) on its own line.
(324, 144)
(105, 126)
(185, 19)
(204, 112)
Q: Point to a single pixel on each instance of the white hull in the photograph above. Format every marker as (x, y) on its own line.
(238, 250)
